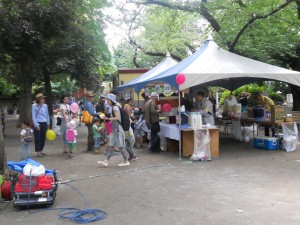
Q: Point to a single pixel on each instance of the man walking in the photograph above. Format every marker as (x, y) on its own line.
(152, 121)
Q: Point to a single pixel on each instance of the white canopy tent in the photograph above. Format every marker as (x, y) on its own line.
(214, 66)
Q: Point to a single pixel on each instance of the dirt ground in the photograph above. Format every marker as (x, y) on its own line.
(244, 186)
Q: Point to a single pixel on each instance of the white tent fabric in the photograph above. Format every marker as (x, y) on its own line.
(214, 66)
(138, 83)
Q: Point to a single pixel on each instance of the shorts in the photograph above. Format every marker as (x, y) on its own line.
(97, 143)
(71, 145)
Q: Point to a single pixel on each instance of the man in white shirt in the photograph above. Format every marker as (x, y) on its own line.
(230, 100)
(205, 107)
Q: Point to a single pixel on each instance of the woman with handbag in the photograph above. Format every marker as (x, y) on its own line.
(64, 110)
(41, 122)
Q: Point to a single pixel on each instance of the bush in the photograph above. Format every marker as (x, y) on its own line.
(277, 98)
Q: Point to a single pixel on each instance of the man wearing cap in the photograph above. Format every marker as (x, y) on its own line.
(89, 106)
(41, 121)
(205, 107)
(152, 121)
(267, 103)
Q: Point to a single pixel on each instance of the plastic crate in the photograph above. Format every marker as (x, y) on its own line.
(266, 143)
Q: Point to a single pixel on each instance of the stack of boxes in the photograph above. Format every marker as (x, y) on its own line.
(277, 112)
(268, 143)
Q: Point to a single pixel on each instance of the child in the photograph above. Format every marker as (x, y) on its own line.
(138, 132)
(97, 136)
(71, 134)
(129, 143)
(25, 138)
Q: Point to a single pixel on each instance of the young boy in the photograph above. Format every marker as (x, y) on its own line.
(71, 134)
(97, 136)
(129, 143)
(25, 138)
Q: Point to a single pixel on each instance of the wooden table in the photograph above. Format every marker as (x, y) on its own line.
(171, 132)
(187, 142)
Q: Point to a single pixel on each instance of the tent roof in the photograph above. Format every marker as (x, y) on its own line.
(139, 82)
(214, 66)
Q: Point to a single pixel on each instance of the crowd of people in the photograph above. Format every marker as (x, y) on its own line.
(105, 132)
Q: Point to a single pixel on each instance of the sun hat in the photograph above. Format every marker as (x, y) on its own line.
(71, 124)
(154, 95)
(89, 94)
(112, 97)
(40, 95)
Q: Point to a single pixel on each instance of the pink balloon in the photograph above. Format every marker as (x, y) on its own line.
(180, 78)
(74, 107)
(166, 107)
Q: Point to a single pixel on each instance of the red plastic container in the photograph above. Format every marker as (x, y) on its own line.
(31, 184)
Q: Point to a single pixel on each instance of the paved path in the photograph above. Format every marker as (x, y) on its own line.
(244, 186)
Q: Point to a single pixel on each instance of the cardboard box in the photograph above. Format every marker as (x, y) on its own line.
(266, 143)
(277, 112)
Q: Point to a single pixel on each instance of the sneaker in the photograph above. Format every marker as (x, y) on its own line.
(124, 164)
(134, 158)
(130, 158)
(103, 163)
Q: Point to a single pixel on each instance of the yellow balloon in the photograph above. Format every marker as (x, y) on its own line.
(50, 135)
(102, 115)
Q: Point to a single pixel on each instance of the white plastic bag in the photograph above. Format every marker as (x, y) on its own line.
(34, 171)
(201, 146)
(290, 136)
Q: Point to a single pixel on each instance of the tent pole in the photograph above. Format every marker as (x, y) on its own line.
(179, 127)
(138, 94)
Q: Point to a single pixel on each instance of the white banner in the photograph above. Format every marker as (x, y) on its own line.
(167, 88)
(157, 89)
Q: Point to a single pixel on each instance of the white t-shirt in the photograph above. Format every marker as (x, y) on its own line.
(66, 108)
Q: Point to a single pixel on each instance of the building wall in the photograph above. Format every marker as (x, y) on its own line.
(126, 75)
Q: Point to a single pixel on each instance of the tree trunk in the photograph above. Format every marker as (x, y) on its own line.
(25, 93)
(3, 159)
(48, 92)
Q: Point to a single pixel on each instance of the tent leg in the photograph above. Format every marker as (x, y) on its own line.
(179, 127)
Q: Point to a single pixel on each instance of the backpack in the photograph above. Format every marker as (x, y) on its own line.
(28, 136)
(125, 121)
(70, 135)
(86, 117)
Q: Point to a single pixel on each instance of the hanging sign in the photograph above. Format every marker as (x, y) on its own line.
(167, 89)
(157, 89)
(146, 91)
(127, 95)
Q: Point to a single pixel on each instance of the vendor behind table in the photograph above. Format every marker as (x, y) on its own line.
(205, 107)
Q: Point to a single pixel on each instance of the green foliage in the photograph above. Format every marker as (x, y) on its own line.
(277, 98)
(158, 30)
(7, 88)
(272, 40)
(55, 37)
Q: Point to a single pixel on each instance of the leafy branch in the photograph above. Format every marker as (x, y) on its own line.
(252, 20)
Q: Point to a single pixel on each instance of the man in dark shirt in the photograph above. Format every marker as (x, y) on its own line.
(152, 121)
(100, 108)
